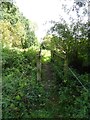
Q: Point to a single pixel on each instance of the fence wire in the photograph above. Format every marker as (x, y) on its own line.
(74, 76)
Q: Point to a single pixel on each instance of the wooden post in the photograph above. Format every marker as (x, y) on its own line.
(39, 65)
(52, 55)
(65, 69)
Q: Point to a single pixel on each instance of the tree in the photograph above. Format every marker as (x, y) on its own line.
(20, 32)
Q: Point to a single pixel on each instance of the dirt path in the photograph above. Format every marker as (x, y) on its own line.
(49, 82)
(48, 76)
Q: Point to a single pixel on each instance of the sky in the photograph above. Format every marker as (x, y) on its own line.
(40, 11)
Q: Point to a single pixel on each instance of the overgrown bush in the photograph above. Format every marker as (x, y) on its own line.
(73, 94)
(22, 96)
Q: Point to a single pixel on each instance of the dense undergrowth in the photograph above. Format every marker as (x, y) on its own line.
(73, 93)
(23, 97)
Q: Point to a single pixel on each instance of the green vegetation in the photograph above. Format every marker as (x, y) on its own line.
(63, 91)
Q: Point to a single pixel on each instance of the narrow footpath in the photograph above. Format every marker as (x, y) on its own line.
(49, 82)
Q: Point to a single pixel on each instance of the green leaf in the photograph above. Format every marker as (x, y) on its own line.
(18, 97)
